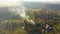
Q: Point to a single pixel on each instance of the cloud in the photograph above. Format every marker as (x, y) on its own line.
(4, 3)
(41, 0)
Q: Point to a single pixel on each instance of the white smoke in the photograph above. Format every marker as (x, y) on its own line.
(23, 13)
(18, 9)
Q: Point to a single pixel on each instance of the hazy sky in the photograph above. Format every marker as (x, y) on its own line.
(4, 3)
(30, 0)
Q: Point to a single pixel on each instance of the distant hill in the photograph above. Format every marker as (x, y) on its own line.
(41, 5)
(32, 4)
(53, 6)
(4, 12)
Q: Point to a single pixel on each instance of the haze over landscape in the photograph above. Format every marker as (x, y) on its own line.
(14, 2)
(5, 9)
(29, 16)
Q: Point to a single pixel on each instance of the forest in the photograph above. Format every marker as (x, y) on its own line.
(37, 22)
